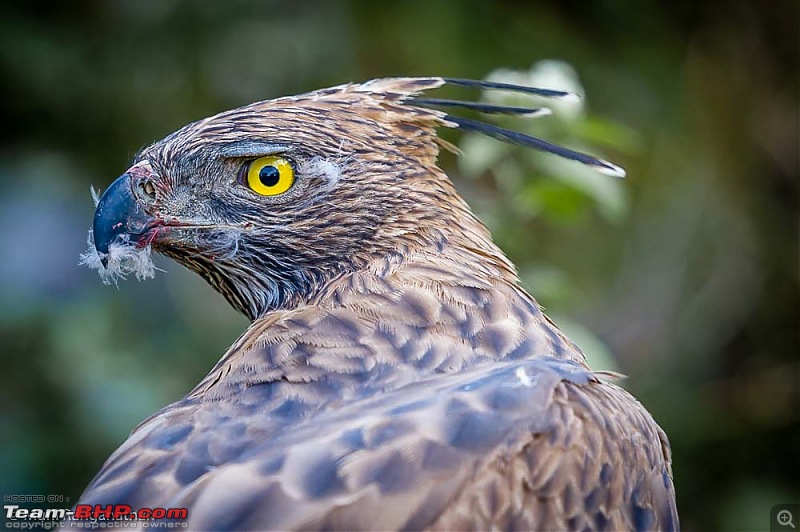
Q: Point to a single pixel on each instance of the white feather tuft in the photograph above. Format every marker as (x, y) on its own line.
(523, 377)
(95, 195)
(224, 243)
(124, 259)
(327, 169)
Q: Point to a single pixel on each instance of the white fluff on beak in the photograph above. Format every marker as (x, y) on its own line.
(124, 259)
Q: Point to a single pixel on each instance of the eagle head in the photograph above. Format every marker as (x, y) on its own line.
(272, 201)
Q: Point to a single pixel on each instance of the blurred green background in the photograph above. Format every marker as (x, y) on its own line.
(684, 276)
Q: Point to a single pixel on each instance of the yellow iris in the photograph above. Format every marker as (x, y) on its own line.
(270, 176)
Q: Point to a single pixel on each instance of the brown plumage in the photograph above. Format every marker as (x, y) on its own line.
(394, 376)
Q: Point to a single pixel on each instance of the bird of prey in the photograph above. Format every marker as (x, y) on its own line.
(394, 374)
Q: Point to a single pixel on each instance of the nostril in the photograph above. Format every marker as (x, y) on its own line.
(147, 191)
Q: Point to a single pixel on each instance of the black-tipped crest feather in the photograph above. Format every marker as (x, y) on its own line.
(507, 135)
(522, 139)
(547, 93)
(488, 108)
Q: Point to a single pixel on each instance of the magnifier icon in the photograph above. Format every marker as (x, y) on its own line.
(785, 518)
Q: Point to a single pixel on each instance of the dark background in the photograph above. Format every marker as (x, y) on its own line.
(684, 276)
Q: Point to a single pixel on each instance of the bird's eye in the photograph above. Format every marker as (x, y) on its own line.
(270, 176)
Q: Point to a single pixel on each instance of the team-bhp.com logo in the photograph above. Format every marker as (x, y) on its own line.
(25, 518)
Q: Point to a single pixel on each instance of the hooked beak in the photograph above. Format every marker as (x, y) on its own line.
(118, 216)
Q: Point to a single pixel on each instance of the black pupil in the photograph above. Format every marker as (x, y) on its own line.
(269, 176)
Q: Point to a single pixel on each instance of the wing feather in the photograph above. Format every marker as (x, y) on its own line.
(479, 448)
